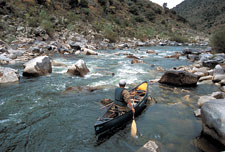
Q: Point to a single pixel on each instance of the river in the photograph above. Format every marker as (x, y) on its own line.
(39, 115)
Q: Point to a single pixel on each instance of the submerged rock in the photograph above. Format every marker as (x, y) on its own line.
(213, 119)
(38, 66)
(78, 69)
(179, 78)
(150, 146)
(134, 61)
(8, 75)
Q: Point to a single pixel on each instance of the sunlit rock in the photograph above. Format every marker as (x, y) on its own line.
(218, 95)
(179, 78)
(204, 99)
(38, 66)
(88, 51)
(8, 75)
(78, 69)
(213, 119)
(134, 61)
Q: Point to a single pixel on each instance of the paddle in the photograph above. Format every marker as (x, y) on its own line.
(133, 126)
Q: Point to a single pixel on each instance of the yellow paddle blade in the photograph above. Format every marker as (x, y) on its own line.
(133, 129)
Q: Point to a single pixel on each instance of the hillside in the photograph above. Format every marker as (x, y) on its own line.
(111, 19)
(206, 15)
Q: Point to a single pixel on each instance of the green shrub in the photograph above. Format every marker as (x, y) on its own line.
(139, 19)
(150, 15)
(178, 38)
(110, 34)
(46, 23)
(84, 3)
(103, 2)
(218, 40)
(134, 10)
(85, 11)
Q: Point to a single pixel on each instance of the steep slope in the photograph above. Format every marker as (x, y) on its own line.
(110, 18)
(206, 15)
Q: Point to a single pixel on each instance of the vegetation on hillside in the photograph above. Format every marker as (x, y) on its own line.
(218, 40)
(111, 18)
(205, 15)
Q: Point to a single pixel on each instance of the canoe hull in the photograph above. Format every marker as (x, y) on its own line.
(104, 126)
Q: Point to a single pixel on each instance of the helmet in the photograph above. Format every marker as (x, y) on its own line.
(122, 82)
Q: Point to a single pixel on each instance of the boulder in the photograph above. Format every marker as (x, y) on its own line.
(192, 51)
(8, 75)
(206, 78)
(212, 63)
(218, 70)
(134, 61)
(89, 51)
(218, 95)
(193, 57)
(204, 99)
(132, 56)
(176, 56)
(75, 45)
(218, 78)
(78, 69)
(150, 52)
(38, 66)
(213, 119)
(197, 113)
(179, 78)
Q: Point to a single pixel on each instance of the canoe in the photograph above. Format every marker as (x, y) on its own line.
(113, 119)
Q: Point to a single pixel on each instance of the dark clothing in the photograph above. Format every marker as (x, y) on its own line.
(122, 97)
(119, 100)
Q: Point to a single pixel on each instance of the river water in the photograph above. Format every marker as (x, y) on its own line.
(39, 115)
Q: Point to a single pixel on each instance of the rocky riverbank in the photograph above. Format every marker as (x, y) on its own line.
(206, 68)
(36, 53)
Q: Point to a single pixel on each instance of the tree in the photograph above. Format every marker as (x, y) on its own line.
(164, 5)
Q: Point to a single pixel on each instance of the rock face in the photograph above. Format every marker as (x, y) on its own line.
(179, 78)
(8, 75)
(38, 66)
(79, 69)
(213, 119)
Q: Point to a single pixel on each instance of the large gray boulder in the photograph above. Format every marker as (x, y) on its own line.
(213, 119)
(8, 75)
(78, 69)
(179, 78)
(38, 66)
(218, 70)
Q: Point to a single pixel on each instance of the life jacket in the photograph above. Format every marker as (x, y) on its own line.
(119, 97)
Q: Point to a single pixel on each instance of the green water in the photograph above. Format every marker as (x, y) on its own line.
(38, 115)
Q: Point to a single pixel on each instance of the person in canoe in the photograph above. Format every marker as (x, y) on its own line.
(122, 100)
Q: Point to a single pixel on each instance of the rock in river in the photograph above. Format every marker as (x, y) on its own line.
(79, 69)
(38, 66)
(213, 119)
(8, 75)
(179, 78)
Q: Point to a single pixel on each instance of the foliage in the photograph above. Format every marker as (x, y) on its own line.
(110, 34)
(178, 38)
(218, 40)
(139, 18)
(103, 2)
(134, 9)
(46, 23)
(150, 15)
